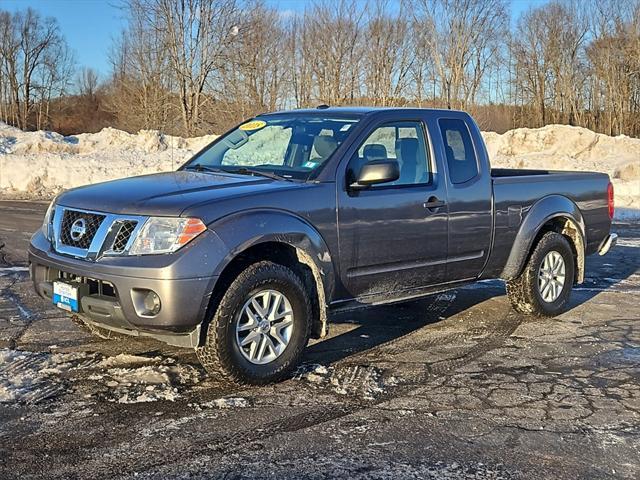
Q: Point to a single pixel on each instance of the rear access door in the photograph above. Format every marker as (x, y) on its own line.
(392, 236)
(469, 193)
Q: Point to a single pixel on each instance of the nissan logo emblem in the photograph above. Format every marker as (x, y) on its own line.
(78, 229)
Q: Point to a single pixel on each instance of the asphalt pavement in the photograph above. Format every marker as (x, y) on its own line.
(456, 385)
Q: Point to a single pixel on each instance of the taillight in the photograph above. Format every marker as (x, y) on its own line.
(610, 200)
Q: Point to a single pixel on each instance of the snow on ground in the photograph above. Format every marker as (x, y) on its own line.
(31, 377)
(365, 382)
(4, 271)
(40, 164)
(224, 403)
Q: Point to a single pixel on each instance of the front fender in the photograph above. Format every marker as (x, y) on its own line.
(544, 210)
(245, 229)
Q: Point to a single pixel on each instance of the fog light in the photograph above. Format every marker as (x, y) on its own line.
(152, 303)
(146, 302)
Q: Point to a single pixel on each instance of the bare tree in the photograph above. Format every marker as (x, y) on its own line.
(37, 37)
(387, 57)
(614, 58)
(87, 82)
(196, 66)
(460, 37)
(141, 88)
(35, 62)
(9, 47)
(331, 51)
(548, 49)
(254, 79)
(195, 36)
(52, 80)
(300, 71)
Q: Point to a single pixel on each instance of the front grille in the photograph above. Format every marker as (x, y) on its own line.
(92, 222)
(124, 234)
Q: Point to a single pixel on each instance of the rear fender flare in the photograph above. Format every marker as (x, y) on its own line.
(548, 209)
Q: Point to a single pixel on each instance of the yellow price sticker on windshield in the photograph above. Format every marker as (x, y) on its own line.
(254, 125)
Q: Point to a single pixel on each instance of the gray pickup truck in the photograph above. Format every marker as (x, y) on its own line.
(244, 251)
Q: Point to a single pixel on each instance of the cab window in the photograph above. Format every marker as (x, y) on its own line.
(402, 141)
(461, 157)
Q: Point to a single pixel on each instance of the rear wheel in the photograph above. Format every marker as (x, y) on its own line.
(544, 286)
(261, 326)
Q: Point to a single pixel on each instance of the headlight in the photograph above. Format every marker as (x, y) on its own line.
(46, 222)
(166, 235)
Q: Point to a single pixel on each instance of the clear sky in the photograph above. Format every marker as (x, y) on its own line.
(89, 26)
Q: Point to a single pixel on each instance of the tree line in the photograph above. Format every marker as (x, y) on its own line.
(190, 67)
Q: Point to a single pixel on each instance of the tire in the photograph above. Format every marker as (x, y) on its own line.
(527, 292)
(224, 358)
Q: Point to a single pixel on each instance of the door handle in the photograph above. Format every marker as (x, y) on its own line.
(433, 203)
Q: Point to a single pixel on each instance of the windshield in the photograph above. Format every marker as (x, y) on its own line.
(287, 146)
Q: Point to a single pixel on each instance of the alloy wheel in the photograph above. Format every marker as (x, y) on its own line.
(264, 326)
(551, 276)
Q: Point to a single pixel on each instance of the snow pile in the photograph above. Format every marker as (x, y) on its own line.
(563, 147)
(40, 164)
(138, 379)
(124, 359)
(32, 377)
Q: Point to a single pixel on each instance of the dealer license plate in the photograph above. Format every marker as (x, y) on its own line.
(65, 296)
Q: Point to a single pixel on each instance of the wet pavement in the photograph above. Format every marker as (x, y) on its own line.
(456, 385)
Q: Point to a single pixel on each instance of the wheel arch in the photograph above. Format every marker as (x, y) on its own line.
(552, 213)
(283, 238)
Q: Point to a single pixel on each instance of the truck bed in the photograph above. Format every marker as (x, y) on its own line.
(521, 172)
(515, 191)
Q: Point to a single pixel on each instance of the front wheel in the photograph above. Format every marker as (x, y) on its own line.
(261, 326)
(544, 286)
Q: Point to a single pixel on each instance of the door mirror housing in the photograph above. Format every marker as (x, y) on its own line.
(378, 171)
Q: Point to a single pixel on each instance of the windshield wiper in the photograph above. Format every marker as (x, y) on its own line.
(254, 171)
(198, 167)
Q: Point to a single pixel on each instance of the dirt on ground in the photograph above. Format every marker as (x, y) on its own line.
(456, 385)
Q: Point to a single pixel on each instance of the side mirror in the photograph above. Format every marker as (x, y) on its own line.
(378, 171)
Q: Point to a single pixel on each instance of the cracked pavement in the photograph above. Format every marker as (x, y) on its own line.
(456, 385)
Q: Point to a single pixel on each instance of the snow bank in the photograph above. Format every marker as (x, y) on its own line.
(40, 164)
(562, 147)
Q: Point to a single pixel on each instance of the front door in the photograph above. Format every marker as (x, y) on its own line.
(393, 236)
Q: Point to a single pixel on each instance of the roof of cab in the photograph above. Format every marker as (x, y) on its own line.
(351, 111)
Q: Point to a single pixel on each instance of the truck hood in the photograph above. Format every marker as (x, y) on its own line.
(166, 194)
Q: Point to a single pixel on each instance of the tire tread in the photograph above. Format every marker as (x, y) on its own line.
(522, 289)
(219, 362)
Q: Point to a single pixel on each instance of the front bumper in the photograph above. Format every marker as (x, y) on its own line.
(108, 294)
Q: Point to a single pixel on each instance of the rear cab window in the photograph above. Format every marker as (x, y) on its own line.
(459, 152)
